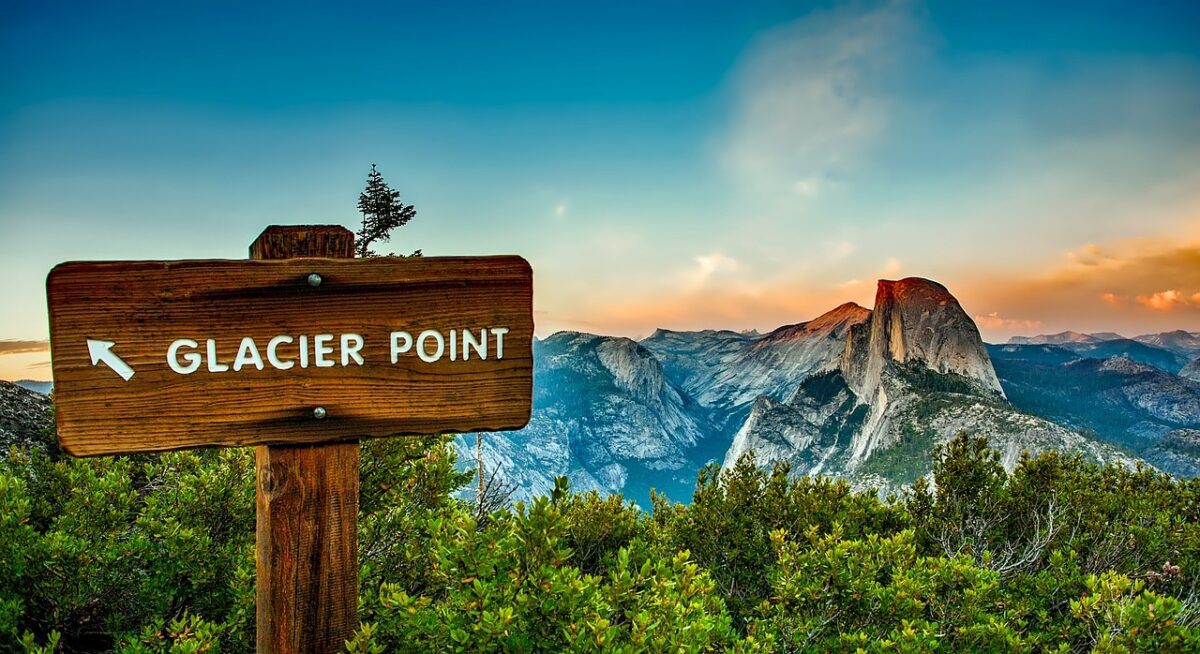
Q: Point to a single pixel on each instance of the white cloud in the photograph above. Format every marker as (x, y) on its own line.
(708, 265)
(892, 268)
(560, 210)
(814, 95)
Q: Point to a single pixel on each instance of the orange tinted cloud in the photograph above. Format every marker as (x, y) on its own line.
(1163, 300)
(14, 346)
(1132, 287)
(995, 321)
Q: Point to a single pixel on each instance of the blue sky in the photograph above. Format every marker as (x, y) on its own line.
(685, 165)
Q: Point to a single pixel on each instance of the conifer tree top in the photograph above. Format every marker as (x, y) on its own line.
(382, 211)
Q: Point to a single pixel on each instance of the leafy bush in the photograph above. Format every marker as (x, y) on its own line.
(156, 554)
(832, 593)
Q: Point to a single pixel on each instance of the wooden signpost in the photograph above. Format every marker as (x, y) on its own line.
(300, 351)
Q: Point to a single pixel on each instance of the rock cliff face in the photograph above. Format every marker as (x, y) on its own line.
(916, 325)
(692, 359)
(741, 369)
(606, 415)
(916, 321)
(825, 430)
(911, 376)
(813, 430)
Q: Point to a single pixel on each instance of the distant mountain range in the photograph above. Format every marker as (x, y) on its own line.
(1170, 351)
(863, 394)
(43, 387)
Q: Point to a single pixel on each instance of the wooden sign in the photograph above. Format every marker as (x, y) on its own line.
(161, 355)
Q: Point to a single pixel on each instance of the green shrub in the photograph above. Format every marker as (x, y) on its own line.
(156, 554)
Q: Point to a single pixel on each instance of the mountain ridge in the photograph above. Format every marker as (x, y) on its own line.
(864, 394)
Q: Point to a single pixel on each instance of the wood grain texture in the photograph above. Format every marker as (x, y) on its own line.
(144, 306)
(307, 547)
(293, 241)
(307, 510)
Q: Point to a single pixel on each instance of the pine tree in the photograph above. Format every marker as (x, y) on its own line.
(382, 212)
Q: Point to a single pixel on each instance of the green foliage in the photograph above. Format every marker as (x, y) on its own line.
(727, 527)
(822, 387)
(97, 549)
(511, 587)
(1117, 615)
(382, 212)
(155, 554)
(832, 593)
(921, 378)
(906, 460)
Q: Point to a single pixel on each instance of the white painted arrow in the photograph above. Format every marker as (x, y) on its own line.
(101, 351)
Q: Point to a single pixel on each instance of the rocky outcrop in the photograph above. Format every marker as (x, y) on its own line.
(889, 445)
(606, 415)
(1162, 396)
(26, 418)
(812, 431)
(776, 365)
(1177, 452)
(691, 359)
(1120, 400)
(1191, 371)
(730, 371)
(911, 376)
(916, 320)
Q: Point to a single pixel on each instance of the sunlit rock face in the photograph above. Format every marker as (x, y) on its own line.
(916, 321)
(912, 375)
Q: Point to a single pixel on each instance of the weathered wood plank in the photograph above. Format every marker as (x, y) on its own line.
(293, 241)
(307, 508)
(143, 307)
(307, 542)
